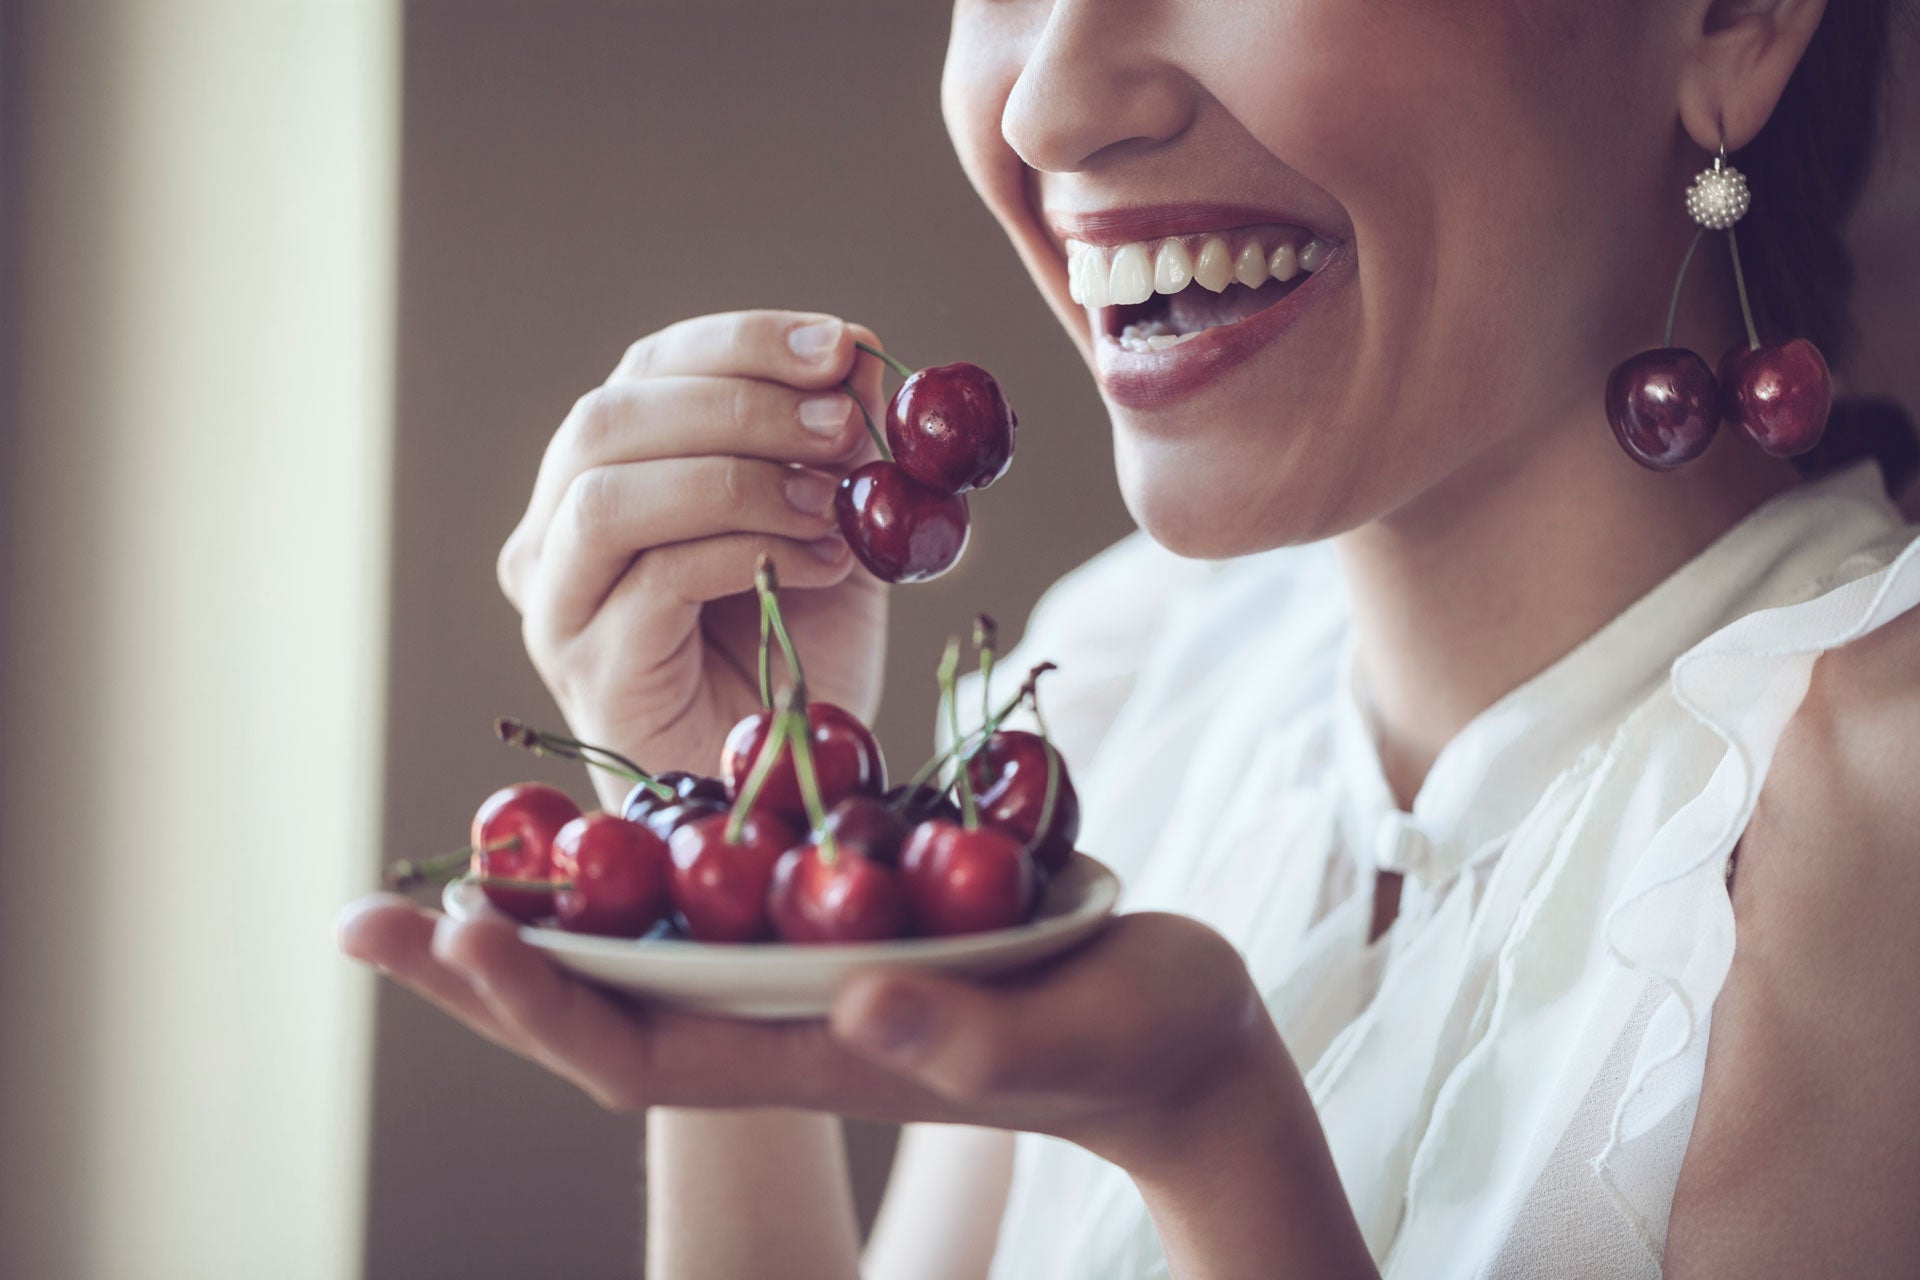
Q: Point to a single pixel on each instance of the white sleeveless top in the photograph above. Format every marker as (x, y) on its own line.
(1508, 1077)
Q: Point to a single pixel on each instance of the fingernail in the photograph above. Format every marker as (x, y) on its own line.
(816, 341)
(896, 1025)
(810, 493)
(825, 415)
(829, 548)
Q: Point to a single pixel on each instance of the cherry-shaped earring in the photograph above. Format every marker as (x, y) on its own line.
(1665, 404)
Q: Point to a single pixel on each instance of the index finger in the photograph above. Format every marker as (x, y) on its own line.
(806, 349)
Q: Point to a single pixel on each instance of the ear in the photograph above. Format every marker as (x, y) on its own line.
(1745, 51)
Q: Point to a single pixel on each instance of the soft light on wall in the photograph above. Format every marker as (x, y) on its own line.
(196, 569)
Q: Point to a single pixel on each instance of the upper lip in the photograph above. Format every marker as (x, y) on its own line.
(1124, 225)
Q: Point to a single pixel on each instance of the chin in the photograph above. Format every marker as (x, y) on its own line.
(1215, 498)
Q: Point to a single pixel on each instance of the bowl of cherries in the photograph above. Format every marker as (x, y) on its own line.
(755, 891)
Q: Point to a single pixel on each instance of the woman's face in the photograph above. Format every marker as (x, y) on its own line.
(1491, 185)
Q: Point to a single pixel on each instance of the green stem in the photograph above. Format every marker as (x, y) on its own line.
(1673, 304)
(1740, 283)
(766, 663)
(518, 734)
(985, 633)
(762, 768)
(1052, 796)
(949, 667)
(898, 368)
(767, 586)
(879, 441)
(800, 734)
(978, 738)
(405, 874)
(508, 882)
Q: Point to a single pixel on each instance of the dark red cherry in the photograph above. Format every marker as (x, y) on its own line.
(512, 839)
(961, 881)
(668, 819)
(851, 899)
(950, 428)
(870, 827)
(619, 872)
(644, 800)
(1779, 393)
(720, 888)
(1009, 776)
(846, 760)
(925, 802)
(900, 529)
(1663, 406)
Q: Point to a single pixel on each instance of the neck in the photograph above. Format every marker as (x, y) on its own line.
(1486, 579)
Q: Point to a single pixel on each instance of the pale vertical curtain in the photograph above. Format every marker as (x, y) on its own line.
(195, 561)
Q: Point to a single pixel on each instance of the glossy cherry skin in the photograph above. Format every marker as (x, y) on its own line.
(901, 530)
(668, 819)
(619, 872)
(851, 899)
(846, 760)
(720, 889)
(950, 428)
(870, 827)
(961, 881)
(524, 818)
(926, 802)
(1009, 776)
(1779, 393)
(643, 800)
(1664, 407)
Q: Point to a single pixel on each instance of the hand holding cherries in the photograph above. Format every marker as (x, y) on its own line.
(798, 838)
(949, 430)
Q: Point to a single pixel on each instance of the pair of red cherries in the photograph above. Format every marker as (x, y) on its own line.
(1664, 405)
(949, 432)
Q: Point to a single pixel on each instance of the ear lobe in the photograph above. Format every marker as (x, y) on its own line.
(1745, 52)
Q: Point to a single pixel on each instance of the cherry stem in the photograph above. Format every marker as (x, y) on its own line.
(1052, 797)
(972, 743)
(985, 633)
(518, 734)
(767, 585)
(800, 736)
(879, 441)
(405, 874)
(529, 886)
(762, 769)
(898, 368)
(949, 668)
(1740, 283)
(1673, 303)
(766, 663)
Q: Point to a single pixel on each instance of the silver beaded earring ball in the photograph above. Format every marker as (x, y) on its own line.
(1719, 197)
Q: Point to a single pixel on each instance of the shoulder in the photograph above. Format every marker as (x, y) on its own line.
(1802, 1148)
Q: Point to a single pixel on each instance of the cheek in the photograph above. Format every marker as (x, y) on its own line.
(982, 64)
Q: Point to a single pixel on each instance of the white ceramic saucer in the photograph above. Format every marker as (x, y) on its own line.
(770, 981)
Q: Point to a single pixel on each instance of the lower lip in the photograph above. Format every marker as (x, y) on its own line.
(1156, 379)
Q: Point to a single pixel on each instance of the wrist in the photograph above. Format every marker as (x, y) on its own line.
(1239, 1179)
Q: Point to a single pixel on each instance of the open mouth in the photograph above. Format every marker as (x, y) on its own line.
(1151, 295)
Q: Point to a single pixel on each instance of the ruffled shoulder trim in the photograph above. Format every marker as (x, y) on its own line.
(1674, 920)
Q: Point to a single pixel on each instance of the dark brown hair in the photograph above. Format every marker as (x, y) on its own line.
(1807, 168)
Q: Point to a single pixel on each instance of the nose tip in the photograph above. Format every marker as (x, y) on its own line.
(1092, 92)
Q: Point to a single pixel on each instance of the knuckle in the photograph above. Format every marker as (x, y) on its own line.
(592, 421)
(507, 567)
(592, 501)
(741, 408)
(736, 482)
(637, 360)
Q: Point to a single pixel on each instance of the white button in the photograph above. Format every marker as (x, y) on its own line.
(1400, 845)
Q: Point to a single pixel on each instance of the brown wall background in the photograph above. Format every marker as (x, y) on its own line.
(574, 176)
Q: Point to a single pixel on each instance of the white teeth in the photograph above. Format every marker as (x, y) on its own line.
(1172, 267)
(1130, 274)
(1250, 268)
(1132, 278)
(1142, 338)
(1213, 268)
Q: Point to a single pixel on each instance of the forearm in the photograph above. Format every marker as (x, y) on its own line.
(1246, 1192)
(748, 1193)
